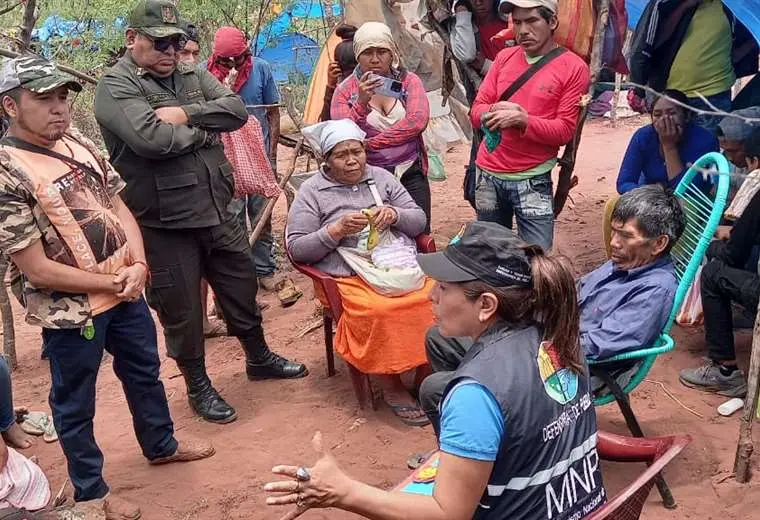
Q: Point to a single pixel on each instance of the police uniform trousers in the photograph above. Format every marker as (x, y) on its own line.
(178, 259)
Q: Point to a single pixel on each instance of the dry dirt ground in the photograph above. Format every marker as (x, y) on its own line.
(277, 419)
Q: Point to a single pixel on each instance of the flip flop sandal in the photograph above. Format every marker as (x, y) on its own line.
(287, 292)
(419, 421)
(34, 423)
(50, 434)
(218, 329)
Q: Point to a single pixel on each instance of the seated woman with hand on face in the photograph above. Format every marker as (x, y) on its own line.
(518, 427)
(661, 153)
(376, 334)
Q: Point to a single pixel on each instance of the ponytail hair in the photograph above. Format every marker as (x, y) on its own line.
(552, 300)
(556, 302)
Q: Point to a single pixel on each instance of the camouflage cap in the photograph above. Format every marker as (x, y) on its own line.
(36, 74)
(156, 18)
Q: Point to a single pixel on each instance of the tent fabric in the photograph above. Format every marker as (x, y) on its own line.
(291, 53)
(746, 11)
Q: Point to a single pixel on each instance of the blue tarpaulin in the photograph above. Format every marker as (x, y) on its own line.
(291, 53)
(747, 11)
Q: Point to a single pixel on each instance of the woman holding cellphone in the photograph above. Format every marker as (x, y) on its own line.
(390, 104)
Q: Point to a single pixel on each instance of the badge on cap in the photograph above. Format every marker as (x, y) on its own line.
(168, 14)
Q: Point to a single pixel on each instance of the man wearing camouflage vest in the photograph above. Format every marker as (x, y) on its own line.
(161, 120)
(82, 272)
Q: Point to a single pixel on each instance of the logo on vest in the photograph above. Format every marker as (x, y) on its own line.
(560, 383)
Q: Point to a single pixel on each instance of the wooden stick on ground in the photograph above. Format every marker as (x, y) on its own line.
(271, 202)
(745, 447)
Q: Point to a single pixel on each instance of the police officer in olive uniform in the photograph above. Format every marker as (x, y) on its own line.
(161, 120)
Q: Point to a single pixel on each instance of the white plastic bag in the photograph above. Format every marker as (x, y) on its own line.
(691, 314)
(386, 281)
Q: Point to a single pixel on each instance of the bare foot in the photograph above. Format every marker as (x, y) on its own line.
(16, 438)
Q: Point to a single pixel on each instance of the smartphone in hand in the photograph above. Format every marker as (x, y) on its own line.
(389, 87)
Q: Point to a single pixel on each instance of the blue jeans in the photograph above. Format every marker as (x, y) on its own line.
(263, 248)
(7, 415)
(722, 101)
(530, 201)
(127, 331)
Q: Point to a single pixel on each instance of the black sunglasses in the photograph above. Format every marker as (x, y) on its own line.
(163, 44)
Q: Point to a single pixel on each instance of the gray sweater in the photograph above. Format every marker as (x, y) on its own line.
(322, 201)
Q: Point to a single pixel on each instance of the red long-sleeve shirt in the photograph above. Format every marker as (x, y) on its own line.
(551, 98)
(345, 106)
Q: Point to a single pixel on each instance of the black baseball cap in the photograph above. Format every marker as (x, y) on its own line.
(483, 251)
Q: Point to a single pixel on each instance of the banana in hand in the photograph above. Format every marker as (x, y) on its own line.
(374, 234)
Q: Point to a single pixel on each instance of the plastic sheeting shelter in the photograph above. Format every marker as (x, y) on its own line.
(747, 11)
(291, 53)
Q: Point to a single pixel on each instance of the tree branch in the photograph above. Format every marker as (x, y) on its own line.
(27, 24)
(64, 68)
(8, 9)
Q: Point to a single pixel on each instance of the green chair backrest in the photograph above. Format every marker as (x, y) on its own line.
(702, 219)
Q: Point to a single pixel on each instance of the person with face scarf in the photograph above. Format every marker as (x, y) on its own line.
(232, 63)
(394, 126)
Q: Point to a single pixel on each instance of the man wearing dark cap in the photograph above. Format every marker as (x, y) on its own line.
(82, 272)
(733, 132)
(161, 121)
(624, 304)
(191, 53)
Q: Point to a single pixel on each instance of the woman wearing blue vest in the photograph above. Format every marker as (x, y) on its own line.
(518, 429)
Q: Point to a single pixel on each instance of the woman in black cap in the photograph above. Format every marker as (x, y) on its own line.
(518, 429)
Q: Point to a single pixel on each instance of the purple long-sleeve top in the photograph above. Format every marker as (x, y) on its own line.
(322, 201)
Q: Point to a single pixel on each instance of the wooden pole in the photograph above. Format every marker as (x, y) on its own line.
(271, 202)
(566, 181)
(616, 99)
(9, 331)
(745, 446)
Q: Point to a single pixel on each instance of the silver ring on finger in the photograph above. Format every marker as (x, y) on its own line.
(298, 486)
(303, 474)
(299, 501)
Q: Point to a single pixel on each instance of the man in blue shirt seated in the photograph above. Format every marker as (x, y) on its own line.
(624, 304)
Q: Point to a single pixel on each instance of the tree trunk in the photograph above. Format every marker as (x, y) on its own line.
(9, 332)
(27, 25)
(745, 447)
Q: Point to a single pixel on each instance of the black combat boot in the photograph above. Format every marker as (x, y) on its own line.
(203, 399)
(262, 363)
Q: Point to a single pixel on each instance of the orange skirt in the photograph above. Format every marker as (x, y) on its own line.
(381, 335)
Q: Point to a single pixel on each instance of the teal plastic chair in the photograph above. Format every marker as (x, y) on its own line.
(703, 216)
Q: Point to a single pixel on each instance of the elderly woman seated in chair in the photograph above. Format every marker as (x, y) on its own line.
(376, 334)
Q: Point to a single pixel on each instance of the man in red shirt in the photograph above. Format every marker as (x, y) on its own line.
(514, 179)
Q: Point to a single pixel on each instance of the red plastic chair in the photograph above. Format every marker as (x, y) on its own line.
(326, 288)
(656, 452)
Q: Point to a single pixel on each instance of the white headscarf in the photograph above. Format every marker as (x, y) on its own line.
(378, 35)
(323, 137)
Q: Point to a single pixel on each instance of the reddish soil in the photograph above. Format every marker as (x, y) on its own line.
(278, 419)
